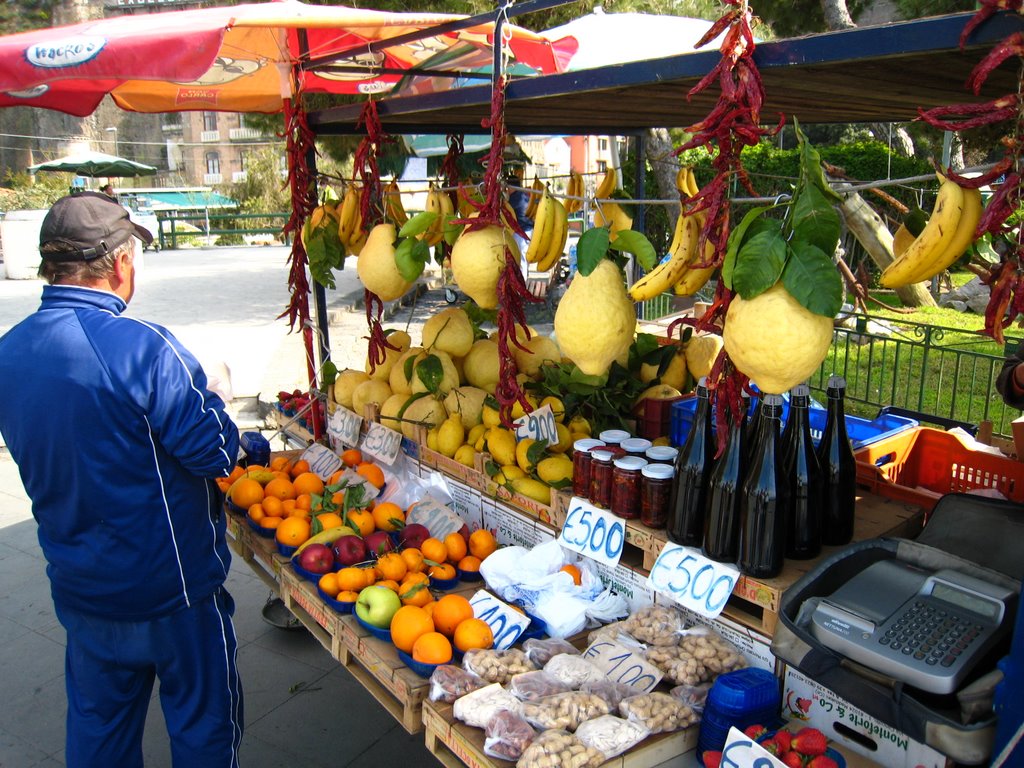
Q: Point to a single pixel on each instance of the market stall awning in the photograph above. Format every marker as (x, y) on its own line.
(159, 201)
(867, 74)
(249, 57)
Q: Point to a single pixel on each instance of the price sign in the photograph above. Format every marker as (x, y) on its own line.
(741, 751)
(382, 443)
(506, 623)
(593, 532)
(692, 580)
(622, 665)
(539, 424)
(344, 427)
(437, 517)
(322, 460)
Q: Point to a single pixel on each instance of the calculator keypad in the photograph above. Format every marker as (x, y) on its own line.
(930, 634)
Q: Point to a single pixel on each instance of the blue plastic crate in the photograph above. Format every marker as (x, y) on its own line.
(861, 432)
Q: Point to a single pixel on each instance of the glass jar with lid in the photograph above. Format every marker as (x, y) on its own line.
(614, 436)
(581, 463)
(600, 477)
(625, 495)
(635, 446)
(655, 494)
(661, 454)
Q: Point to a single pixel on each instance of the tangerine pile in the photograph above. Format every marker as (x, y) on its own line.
(430, 636)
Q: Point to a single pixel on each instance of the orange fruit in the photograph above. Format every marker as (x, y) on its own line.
(434, 549)
(482, 543)
(308, 482)
(392, 566)
(292, 531)
(223, 484)
(271, 522)
(572, 570)
(388, 516)
(351, 579)
(415, 593)
(336, 477)
(389, 583)
(352, 457)
(413, 560)
(456, 546)
(253, 468)
(429, 608)
(287, 507)
(236, 473)
(299, 467)
(329, 584)
(443, 571)
(432, 648)
(245, 492)
(280, 463)
(473, 633)
(281, 488)
(449, 612)
(347, 596)
(304, 501)
(256, 512)
(372, 473)
(329, 520)
(363, 521)
(469, 564)
(407, 625)
(370, 575)
(281, 476)
(273, 506)
(337, 497)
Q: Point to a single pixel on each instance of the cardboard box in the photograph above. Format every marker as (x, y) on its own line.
(812, 703)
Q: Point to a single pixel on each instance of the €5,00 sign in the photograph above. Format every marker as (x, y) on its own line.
(593, 532)
(693, 580)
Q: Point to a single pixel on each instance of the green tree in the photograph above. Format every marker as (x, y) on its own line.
(265, 189)
(23, 15)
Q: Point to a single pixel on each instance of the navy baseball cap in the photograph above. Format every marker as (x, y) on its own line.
(86, 226)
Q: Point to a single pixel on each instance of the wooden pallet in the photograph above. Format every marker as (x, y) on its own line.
(300, 596)
(260, 553)
(456, 744)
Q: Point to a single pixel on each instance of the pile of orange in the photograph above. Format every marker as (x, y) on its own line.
(454, 552)
(430, 635)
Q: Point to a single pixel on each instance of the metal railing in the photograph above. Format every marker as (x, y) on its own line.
(209, 224)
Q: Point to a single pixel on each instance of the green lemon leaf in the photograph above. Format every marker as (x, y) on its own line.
(634, 242)
(811, 170)
(916, 220)
(430, 371)
(409, 267)
(645, 344)
(591, 248)
(452, 231)
(736, 238)
(412, 399)
(811, 278)
(814, 220)
(320, 265)
(760, 260)
(418, 224)
(536, 452)
(329, 372)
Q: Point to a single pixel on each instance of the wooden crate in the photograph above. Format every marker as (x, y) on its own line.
(260, 553)
(375, 664)
(456, 744)
(474, 476)
(300, 596)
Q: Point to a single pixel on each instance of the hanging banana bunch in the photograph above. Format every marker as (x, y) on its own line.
(394, 210)
(438, 202)
(610, 213)
(533, 198)
(574, 193)
(550, 231)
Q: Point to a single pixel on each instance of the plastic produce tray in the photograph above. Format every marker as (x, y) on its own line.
(921, 464)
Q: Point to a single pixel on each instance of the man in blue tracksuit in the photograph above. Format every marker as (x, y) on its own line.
(118, 441)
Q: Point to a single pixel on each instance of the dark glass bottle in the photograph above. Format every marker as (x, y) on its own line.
(750, 428)
(722, 521)
(800, 491)
(693, 466)
(838, 469)
(762, 525)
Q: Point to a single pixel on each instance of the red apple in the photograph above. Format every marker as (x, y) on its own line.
(349, 550)
(378, 542)
(317, 558)
(413, 535)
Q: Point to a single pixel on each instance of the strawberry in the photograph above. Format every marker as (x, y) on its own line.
(784, 739)
(712, 758)
(792, 759)
(809, 741)
(822, 761)
(755, 731)
(772, 746)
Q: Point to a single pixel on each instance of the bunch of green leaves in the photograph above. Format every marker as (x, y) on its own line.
(412, 253)
(595, 244)
(647, 350)
(324, 248)
(796, 248)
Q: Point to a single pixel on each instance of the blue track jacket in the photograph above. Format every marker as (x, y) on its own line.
(116, 439)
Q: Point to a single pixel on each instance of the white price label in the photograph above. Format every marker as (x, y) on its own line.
(437, 517)
(693, 580)
(593, 532)
(382, 443)
(506, 623)
(622, 665)
(740, 751)
(322, 460)
(538, 424)
(344, 427)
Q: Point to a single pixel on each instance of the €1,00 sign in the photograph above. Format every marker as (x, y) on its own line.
(593, 532)
(693, 580)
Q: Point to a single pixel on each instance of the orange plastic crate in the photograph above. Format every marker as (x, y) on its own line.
(919, 465)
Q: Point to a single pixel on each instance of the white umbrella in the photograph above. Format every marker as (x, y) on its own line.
(95, 164)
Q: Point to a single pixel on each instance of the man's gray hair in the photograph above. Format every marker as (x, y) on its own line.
(80, 272)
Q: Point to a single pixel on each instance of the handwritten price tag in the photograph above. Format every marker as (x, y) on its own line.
(693, 580)
(344, 427)
(540, 425)
(382, 443)
(322, 460)
(593, 532)
(506, 623)
(741, 751)
(439, 519)
(622, 665)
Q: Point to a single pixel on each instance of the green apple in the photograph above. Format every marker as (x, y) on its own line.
(376, 606)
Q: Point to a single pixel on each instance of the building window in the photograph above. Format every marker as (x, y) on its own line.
(602, 166)
(209, 121)
(602, 145)
(212, 162)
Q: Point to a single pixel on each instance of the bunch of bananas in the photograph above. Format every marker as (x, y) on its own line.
(533, 199)
(948, 233)
(612, 214)
(323, 217)
(574, 193)
(394, 210)
(550, 230)
(439, 202)
(676, 272)
(350, 220)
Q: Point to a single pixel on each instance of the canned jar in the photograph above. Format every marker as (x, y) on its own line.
(635, 446)
(626, 486)
(655, 494)
(581, 463)
(614, 436)
(600, 477)
(661, 454)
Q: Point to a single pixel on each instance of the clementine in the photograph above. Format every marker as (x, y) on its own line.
(347, 596)
(351, 579)
(292, 531)
(256, 512)
(456, 546)
(434, 549)
(280, 463)
(245, 492)
(300, 466)
(388, 516)
(362, 520)
(482, 543)
(236, 472)
(281, 488)
(429, 608)
(572, 570)
(442, 571)
(372, 473)
(408, 624)
(449, 612)
(308, 482)
(391, 584)
(335, 478)
(413, 560)
(473, 633)
(432, 648)
(304, 501)
(271, 522)
(392, 566)
(469, 564)
(329, 584)
(352, 457)
(329, 520)
(415, 593)
(273, 506)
